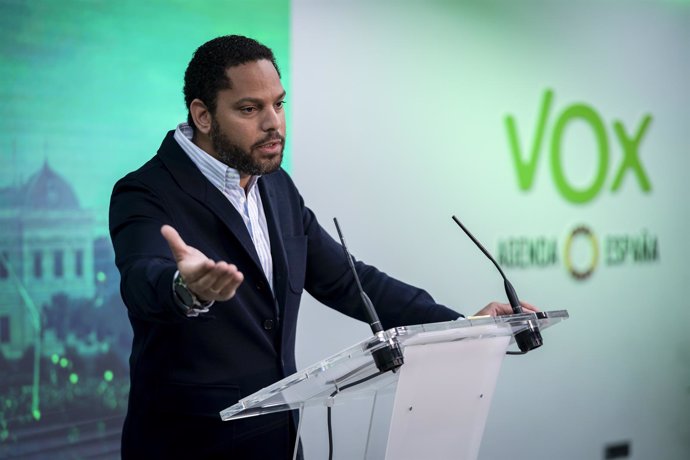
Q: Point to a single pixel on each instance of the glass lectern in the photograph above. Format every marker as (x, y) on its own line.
(442, 393)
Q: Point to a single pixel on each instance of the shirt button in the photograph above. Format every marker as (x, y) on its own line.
(268, 324)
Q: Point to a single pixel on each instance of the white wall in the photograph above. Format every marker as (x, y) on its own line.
(398, 122)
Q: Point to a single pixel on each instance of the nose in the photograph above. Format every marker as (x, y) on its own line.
(272, 120)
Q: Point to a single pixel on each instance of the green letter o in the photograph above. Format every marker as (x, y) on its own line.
(589, 115)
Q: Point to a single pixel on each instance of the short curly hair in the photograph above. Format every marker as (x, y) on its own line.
(205, 74)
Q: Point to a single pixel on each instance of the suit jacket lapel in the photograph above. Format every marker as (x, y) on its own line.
(280, 270)
(193, 182)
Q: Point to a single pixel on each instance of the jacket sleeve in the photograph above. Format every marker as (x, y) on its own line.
(142, 255)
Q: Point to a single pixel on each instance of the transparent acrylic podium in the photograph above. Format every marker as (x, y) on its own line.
(440, 396)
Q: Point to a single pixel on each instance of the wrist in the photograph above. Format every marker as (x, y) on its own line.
(186, 300)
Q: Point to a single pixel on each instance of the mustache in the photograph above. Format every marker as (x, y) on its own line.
(273, 137)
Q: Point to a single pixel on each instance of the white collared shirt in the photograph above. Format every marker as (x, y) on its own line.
(227, 180)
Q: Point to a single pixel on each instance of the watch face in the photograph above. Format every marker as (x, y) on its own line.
(184, 295)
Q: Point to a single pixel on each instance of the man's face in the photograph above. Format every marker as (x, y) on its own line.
(248, 126)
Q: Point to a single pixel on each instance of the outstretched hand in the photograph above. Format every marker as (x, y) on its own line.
(498, 309)
(208, 280)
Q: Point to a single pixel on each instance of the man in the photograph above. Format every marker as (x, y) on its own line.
(215, 247)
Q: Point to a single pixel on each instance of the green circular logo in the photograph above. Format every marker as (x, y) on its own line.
(581, 232)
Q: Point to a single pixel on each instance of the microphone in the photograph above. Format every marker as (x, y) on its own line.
(390, 357)
(530, 338)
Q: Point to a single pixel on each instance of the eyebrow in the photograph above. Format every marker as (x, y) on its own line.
(254, 100)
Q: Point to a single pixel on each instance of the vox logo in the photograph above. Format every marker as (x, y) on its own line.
(628, 140)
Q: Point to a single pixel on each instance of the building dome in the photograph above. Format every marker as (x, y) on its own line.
(47, 190)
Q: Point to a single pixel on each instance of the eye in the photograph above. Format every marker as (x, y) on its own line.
(248, 110)
(280, 104)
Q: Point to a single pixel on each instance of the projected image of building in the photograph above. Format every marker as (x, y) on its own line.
(46, 248)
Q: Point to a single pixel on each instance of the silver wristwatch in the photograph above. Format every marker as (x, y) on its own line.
(188, 302)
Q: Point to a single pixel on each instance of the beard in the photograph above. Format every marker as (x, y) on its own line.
(240, 159)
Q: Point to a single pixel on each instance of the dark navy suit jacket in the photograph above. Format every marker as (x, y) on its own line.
(185, 370)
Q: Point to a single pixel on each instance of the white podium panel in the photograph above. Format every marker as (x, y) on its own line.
(443, 398)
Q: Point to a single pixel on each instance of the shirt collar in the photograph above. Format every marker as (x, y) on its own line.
(218, 173)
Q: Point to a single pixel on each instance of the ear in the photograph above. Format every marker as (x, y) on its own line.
(201, 116)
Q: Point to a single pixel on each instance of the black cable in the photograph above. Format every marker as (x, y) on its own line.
(338, 390)
(330, 435)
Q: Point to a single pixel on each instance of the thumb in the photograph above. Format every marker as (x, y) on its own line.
(177, 245)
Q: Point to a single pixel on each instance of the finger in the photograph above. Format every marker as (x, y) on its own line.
(225, 271)
(220, 272)
(492, 309)
(212, 279)
(226, 291)
(529, 307)
(503, 309)
(229, 290)
(177, 245)
(201, 285)
(195, 271)
(217, 280)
